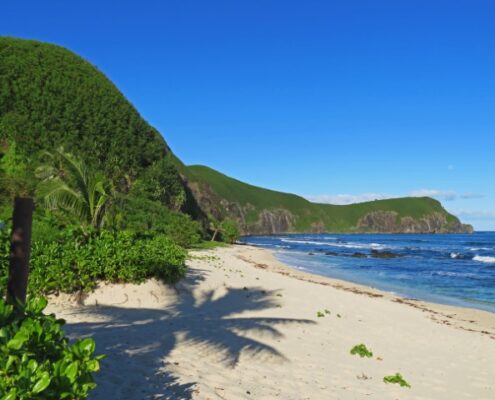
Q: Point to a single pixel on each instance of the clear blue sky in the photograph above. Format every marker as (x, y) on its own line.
(334, 100)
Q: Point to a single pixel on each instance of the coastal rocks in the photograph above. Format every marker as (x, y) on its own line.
(274, 221)
(383, 254)
(389, 222)
(373, 254)
(379, 221)
(318, 227)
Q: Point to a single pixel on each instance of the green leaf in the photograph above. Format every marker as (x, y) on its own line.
(37, 305)
(10, 361)
(42, 383)
(87, 346)
(15, 344)
(71, 371)
(32, 366)
(93, 366)
(11, 395)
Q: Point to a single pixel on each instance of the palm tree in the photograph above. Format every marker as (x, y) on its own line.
(215, 226)
(69, 185)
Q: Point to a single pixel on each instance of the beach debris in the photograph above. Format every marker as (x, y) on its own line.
(363, 377)
(362, 351)
(396, 379)
(319, 314)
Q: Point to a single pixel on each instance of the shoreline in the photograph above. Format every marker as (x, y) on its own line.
(241, 325)
(466, 318)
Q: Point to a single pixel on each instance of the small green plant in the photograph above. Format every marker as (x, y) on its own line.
(319, 314)
(327, 312)
(396, 379)
(339, 316)
(362, 351)
(37, 361)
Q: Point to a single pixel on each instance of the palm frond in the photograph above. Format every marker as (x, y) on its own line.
(69, 185)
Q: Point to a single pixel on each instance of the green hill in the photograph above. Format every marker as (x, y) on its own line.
(52, 98)
(266, 211)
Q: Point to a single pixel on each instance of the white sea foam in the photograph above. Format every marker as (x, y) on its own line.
(304, 242)
(480, 248)
(454, 255)
(455, 274)
(358, 245)
(350, 245)
(484, 259)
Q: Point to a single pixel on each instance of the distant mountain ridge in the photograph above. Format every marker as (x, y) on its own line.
(50, 97)
(263, 211)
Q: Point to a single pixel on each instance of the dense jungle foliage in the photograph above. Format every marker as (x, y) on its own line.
(51, 100)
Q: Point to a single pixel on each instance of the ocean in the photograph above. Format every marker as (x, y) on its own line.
(455, 269)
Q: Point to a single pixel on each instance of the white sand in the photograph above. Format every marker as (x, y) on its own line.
(244, 326)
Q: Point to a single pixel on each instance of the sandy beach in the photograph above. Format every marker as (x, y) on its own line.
(244, 326)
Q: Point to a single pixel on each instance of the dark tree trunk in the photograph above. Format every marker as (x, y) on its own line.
(20, 249)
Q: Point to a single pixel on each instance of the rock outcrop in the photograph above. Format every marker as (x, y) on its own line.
(389, 222)
(260, 211)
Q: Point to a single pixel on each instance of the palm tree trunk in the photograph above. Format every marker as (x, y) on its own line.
(215, 233)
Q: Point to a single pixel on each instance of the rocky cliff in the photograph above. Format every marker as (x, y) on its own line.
(389, 222)
(264, 212)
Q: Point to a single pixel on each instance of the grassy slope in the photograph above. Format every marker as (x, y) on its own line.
(335, 217)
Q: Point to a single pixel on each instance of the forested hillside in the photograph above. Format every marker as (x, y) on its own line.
(52, 99)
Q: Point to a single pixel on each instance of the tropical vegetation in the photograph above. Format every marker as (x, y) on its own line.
(36, 359)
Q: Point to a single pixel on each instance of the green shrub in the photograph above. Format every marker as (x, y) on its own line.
(230, 231)
(36, 359)
(362, 351)
(396, 379)
(75, 262)
(144, 215)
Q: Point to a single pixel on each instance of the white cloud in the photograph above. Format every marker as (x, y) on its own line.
(445, 195)
(347, 198)
(438, 194)
(471, 196)
(475, 214)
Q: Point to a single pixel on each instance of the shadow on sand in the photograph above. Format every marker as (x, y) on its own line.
(138, 340)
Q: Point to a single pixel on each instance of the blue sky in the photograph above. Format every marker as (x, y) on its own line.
(335, 100)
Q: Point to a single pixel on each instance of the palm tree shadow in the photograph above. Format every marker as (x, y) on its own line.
(138, 340)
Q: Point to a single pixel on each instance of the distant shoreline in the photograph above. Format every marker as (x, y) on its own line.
(485, 319)
(443, 269)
